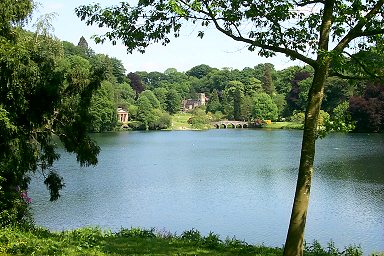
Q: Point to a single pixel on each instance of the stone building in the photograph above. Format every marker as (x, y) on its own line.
(122, 116)
(190, 104)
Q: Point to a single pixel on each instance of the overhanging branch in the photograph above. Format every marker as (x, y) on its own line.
(305, 3)
(338, 74)
(239, 38)
(359, 63)
(372, 32)
(356, 31)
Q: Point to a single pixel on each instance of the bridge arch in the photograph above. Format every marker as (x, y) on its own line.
(233, 126)
(230, 124)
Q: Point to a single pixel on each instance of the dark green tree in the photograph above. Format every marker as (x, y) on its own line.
(294, 97)
(214, 104)
(276, 27)
(162, 120)
(170, 71)
(178, 81)
(246, 108)
(173, 101)
(268, 86)
(283, 82)
(232, 99)
(152, 98)
(237, 102)
(71, 49)
(161, 95)
(118, 70)
(252, 86)
(144, 112)
(103, 109)
(124, 95)
(41, 95)
(199, 71)
(264, 108)
(279, 100)
(216, 79)
(336, 91)
(151, 80)
(266, 74)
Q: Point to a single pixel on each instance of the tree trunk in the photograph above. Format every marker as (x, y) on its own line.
(295, 238)
(294, 245)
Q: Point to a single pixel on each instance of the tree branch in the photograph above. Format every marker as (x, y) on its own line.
(337, 74)
(305, 3)
(372, 32)
(357, 30)
(365, 69)
(286, 51)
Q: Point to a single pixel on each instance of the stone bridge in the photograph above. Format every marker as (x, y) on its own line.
(230, 124)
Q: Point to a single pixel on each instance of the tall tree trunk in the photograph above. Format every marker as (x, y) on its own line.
(295, 238)
(294, 244)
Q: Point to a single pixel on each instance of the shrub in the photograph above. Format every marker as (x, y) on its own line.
(137, 233)
(192, 235)
(298, 117)
(200, 119)
(86, 237)
(212, 241)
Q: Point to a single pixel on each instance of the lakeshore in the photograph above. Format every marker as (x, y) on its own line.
(180, 123)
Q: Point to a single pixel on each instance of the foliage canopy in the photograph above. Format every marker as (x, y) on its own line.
(42, 96)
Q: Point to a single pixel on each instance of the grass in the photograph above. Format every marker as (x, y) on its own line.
(94, 241)
(284, 125)
(180, 121)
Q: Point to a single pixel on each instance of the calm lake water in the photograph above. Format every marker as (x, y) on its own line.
(230, 181)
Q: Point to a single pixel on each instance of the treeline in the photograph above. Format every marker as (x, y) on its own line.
(261, 92)
(117, 89)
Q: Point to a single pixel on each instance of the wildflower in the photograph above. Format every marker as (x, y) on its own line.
(25, 197)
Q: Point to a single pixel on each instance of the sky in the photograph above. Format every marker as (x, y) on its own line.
(183, 53)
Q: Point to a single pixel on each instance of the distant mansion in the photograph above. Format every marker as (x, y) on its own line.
(190, 104)
(122, 116)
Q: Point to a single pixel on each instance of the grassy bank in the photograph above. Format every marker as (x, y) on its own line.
(180, 121)
(93, 241)
(284, 125)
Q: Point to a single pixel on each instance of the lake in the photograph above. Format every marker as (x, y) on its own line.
(234, 182)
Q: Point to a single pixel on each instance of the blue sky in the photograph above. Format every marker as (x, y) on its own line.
(182, 53)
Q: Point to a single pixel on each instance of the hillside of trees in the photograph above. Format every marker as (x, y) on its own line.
(260, 92)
